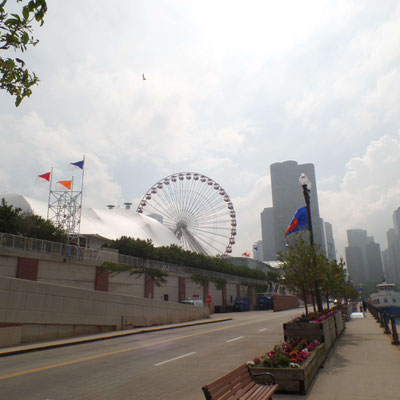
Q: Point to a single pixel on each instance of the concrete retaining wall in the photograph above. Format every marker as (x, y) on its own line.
(48, 311)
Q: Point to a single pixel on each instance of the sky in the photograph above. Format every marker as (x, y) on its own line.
(231, 88)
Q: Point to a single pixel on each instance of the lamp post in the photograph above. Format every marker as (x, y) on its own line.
(306, 185)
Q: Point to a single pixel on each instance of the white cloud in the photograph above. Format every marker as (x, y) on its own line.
(231, 89)
(248, 209)
(369, 194)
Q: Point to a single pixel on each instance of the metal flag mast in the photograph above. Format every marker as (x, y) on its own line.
(65, 206)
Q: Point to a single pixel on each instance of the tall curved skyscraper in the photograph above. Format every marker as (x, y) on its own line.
(287, 197)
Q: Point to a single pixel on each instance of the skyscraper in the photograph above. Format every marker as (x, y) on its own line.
(363, 257)
(287, 197)
(267, 234)
(330, 241)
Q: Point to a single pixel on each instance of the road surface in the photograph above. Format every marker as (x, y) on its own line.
(165, 365)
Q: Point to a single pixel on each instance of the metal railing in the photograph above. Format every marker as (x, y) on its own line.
(387, 322)
(78, 253)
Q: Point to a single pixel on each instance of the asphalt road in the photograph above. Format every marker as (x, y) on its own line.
(165, 365)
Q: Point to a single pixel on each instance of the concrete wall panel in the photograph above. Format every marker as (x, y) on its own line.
(49, 311)
(8, 266)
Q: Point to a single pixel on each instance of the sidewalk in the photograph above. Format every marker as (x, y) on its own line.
(363, 364)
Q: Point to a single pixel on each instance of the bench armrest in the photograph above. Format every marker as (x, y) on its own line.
(264, 374)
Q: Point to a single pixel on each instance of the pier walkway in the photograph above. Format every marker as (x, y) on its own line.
(363, 365)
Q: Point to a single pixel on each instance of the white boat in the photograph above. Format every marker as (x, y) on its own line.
(386, 298)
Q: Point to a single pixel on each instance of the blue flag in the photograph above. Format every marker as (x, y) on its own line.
(299, 221)
(76, 165)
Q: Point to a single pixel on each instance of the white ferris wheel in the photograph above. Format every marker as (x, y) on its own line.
(196, 208)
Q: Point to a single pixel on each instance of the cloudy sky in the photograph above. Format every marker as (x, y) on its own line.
(231, 88)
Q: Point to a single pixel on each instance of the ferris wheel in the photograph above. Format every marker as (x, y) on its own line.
(196, 208)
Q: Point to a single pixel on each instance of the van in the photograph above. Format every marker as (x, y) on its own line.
(194, 302)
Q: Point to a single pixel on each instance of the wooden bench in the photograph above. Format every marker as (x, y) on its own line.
(239, 385)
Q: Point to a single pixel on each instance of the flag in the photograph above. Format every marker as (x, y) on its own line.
(255, 248)
(61, 185)
(76, 165)
(299, 221)
(246, 254)
(44, 177)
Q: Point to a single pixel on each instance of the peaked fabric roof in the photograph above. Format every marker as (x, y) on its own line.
(109, 224)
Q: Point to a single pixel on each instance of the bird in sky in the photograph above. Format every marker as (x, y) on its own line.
(143, 77)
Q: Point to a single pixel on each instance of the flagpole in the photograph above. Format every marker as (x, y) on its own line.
(48, 202)
(80, 211)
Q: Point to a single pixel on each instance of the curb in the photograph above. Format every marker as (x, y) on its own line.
(71, 342)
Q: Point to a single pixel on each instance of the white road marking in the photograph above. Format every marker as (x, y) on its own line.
(173, 359)
(240, 337)
(262, 330)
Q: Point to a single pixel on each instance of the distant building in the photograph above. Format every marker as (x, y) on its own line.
(267, 234)
(392, 258)
(374, 262)
(287, 198)
(396, 220)
(355, 264)
(363, 256)
(258, 253)
(329, 241)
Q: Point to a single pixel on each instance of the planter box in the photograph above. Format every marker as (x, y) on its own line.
(324, 332)
(339, 323)
(294, 380)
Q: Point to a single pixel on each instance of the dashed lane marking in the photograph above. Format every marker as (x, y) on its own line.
(175, 358)
(237, 338)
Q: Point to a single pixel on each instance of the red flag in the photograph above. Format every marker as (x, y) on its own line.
(246, 254)
(44, 177)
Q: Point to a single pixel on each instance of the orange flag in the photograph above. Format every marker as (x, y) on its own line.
(64, 184)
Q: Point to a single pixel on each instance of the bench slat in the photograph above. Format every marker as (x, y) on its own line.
(242, 370)
(238, 385)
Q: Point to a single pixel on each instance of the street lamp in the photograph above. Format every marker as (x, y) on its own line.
(306, 185)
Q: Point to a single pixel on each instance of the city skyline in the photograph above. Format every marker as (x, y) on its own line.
(229, 90)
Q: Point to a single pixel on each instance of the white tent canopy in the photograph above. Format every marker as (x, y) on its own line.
(106, 223)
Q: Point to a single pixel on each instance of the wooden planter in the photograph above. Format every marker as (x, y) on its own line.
(294, 380)
(324, 331)
(339, 323)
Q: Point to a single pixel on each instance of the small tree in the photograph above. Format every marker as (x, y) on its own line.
(333, 278)
(15, 34)
(13, 221)
(299, 271)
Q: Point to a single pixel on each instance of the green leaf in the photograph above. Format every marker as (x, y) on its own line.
(25, 12)
(25, 38)
(11, 21)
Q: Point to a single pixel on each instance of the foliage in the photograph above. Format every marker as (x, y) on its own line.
(9, 218)
(299, 272)
(302, 274)
(369, 287)
(289, 354)
(176, 255)
(156, 275)
(315, 317)
(203, 281)
(15, 34)
(333, 277)
(13, 221)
